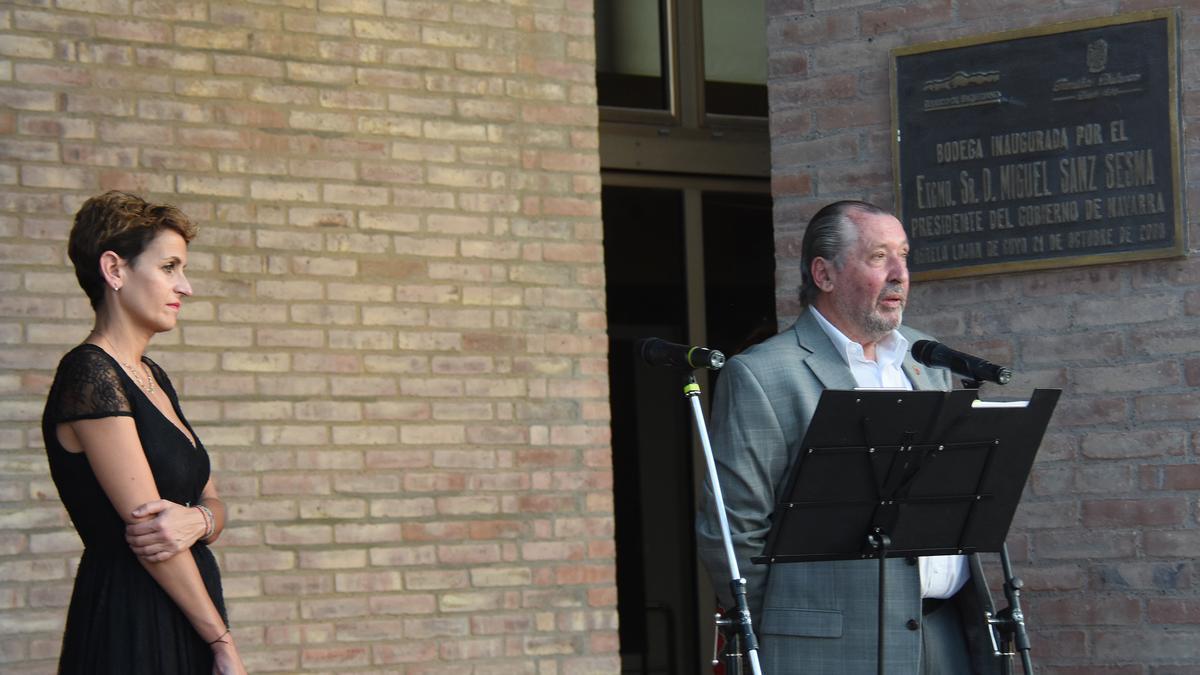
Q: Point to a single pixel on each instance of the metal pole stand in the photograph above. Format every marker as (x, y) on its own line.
(880, 542)
(1010, 621)
(741, 610)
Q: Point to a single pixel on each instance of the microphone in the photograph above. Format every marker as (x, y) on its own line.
(658, 352)
(938, 355)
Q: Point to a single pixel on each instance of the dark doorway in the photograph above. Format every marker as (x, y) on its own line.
(688, 265)
(739, 270)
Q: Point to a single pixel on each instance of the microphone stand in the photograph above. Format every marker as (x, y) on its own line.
(741, 610)
(1009, 623)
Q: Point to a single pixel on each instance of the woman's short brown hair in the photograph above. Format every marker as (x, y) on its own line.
(122, 223)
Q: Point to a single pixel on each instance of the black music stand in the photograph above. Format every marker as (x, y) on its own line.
(886, 473)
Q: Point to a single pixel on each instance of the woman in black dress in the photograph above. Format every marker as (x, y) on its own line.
(129, 468)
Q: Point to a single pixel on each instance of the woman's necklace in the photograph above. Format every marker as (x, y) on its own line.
(147, 383)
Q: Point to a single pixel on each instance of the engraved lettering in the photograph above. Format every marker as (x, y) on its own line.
(1116, 131)
(1024, 180)
(1048, 214)
(1137, 204)
(1022, 142)
(1090, 238)
(967, 249)
(957, 151)
(941, 225)
(966, 186)
(1089, 134)
(931, 254)
(1152, 231)
(1014, 246)
(934, 194)
(1077, 174)
(1133, 168)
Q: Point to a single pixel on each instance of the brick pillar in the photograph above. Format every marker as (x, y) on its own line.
(396, 353)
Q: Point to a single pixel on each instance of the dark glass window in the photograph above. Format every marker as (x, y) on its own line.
(631, 62)
(735, 58)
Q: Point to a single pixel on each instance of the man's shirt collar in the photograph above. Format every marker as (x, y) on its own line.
(885, 371)
(889, 351)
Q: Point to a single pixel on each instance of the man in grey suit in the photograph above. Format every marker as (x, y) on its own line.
(821, 617)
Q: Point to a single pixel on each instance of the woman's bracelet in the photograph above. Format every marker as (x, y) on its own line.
(210, 522)
(220, 638)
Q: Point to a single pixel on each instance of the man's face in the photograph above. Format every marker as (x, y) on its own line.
(867, 294)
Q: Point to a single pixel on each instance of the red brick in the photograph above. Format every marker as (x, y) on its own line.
(1116, 311)
(1074, 544)
(1181, 477)
(336, 658)
(1173, 611)
(1129, 377)
(1087, 610)
(51, 75)
(1048, 578)
(1129, 444)
(802, 92)
(1046, 515)
(1191, 303)
(787, 64)
(799, 184)
(1153, 641)
(1087, 281)
(959, 292)
(1192, 372)
(1166, 407)
(851, 115)
(1132, 576)
(1054, 645)
(1173, 670)
(497, 529)
(809, 153)
(910, 16)
(1122, 513)
(807, 28)
(1172, 543)
(414, 652)
(1090, 411)
(136, 31)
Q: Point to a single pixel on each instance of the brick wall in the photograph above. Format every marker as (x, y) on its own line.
(396, 352)
(1107, 534)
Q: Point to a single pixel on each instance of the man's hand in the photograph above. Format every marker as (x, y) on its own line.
(164, 529)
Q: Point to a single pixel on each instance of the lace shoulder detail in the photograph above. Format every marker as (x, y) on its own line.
(88, 386)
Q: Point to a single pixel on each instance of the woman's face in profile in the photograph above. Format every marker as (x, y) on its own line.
(155, 283)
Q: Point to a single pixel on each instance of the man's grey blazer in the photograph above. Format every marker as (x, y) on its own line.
(815, 617)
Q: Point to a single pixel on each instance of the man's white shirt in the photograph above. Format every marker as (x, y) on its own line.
(941, 575)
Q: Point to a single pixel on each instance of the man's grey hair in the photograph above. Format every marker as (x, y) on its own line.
(829, 235)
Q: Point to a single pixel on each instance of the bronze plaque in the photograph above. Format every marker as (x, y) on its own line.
(1048, 147)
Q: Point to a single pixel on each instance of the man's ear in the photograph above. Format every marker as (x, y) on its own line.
(823, 274)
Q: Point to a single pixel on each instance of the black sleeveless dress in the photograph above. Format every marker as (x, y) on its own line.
(120, 620)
